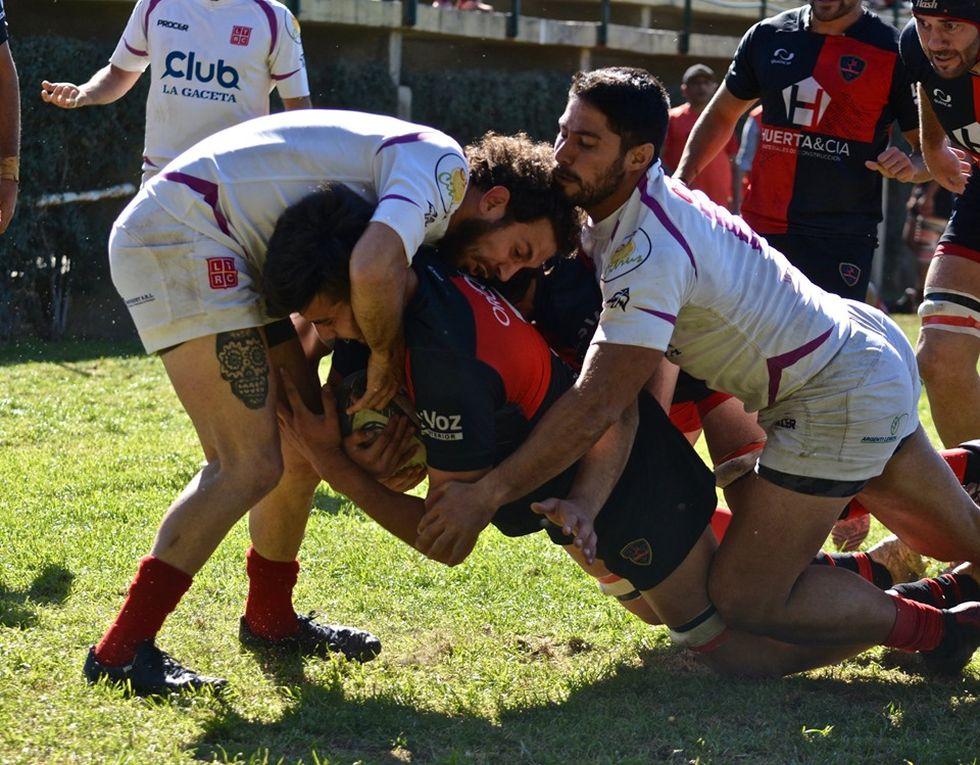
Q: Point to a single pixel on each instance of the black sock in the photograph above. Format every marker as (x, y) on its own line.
(943, 591)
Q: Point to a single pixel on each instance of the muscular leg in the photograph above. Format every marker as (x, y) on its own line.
(728, 427)
(948, 349)
(278, 522)
(683, 596)
(225, 384)
(918, 497)
(761, 582)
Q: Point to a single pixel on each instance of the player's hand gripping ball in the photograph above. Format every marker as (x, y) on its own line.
(375, 420)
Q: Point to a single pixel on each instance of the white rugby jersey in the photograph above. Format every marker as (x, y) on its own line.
(234, 185)
(213, 64)
(683, 275)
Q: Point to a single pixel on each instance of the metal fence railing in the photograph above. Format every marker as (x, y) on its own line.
(763, 9)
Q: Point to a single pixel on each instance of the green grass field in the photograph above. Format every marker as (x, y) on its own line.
(513, 657)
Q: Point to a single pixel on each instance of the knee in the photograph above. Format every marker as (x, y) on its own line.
(253, 472)
(741, 607)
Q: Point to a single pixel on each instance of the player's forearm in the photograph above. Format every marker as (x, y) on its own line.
(931, 134)
(107, 85)
(602, 466)
(9, 105)
(566, 432)
(292, 104)
(711, 132)
(378, 274)
(397, 513)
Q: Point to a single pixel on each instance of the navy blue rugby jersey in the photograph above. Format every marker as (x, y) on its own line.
(566, 306)
(3, 24)
(956, 102)
(827, 104)
(480, 377)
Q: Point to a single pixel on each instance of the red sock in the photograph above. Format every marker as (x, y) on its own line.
(154, 593)
(917, 627)
(269, 608)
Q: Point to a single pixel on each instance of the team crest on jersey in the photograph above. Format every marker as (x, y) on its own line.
(240, 35)
(222, 274)
(850, 273)
(451, 178)
(638, 552)
(851, 67)
(630, 255)
(431, 215)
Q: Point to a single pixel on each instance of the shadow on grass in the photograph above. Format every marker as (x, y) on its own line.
(665, 710)
(50, 587)
(332, 504)
(65, 352)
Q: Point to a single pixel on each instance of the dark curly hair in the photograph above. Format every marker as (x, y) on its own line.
(309, 252)
(525, 168)
(633, 101)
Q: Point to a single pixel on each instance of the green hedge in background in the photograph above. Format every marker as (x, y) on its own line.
(466, 103)
(49, 253)
(45, 250)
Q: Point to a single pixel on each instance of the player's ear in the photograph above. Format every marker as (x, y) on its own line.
(493, 203)
(639, 157)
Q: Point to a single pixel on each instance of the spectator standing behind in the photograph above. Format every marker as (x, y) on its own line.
(831, 84)
(715, 179)
(745, 159)
(213, 64)
(9, 128)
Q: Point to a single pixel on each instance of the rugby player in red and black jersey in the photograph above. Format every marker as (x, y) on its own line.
(940, 48)
(831, 84)
(480, 378)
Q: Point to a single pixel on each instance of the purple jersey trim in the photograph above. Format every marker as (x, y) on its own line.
(206, 189)
(146, 21)
(398, 196)
(279, 77)
(668, 317)
(133, 50)
(270, 15)
(665, 220)
(148, 161)
(777, 364)
(409, 138)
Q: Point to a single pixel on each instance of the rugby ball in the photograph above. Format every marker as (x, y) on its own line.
(374, 420)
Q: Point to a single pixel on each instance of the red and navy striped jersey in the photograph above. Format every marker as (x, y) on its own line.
(827, 104)
(480, 376)
(956, 102)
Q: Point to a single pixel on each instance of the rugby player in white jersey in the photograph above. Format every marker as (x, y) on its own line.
(834, 382)
(186, 255)
(9, 128)
(213, 64)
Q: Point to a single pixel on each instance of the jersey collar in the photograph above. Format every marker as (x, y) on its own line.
(866, 15)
